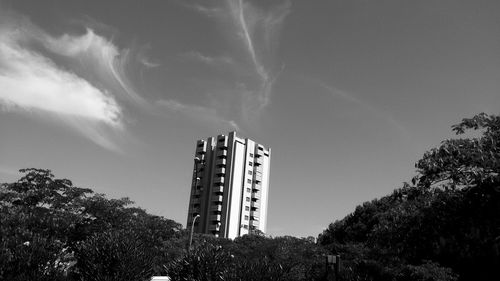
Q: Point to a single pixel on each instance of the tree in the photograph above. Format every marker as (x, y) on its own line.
(50, 229)
(466, 175)
(465, 162)
(446, 218)
(38, 214)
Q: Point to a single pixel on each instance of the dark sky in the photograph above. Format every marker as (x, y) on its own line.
(348, 94)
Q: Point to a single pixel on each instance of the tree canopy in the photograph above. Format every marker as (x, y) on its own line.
(447, 215)
(52, 230)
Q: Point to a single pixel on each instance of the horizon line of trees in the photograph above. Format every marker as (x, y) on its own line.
(443, 225)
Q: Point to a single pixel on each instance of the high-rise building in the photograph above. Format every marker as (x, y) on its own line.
(230, 186)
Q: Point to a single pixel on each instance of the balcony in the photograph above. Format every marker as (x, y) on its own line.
(218, 189)
(220, 162)
(221, 153)
(254, 223)
(215, 218)
(258, 168)
(219, 180)
(255, 213)
(217, 198)
(254, 204)
(258, 161)
(257, 177)
(214, 227)
(201, 150)
(259, 152)
(195, 201)
(256, 195)
(223, 145)
(216, 208)
(222, 141)
(220, 171)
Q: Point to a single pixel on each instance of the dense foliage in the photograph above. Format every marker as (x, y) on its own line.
(249, 258)
(52, 230)
(445, 224)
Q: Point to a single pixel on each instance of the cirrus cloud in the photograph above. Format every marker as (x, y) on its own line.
(253, 33)
(207, 115)
(77, 78)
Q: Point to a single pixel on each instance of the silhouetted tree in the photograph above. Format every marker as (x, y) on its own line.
(447, 215)
(51, 230)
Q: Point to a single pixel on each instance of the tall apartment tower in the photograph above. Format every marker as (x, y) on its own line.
(230, 186)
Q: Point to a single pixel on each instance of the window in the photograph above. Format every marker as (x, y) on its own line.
(247, 208)
(246, 218)
(249, 181)
(251, 154)
(245, 226)
(249, 190)
(248, 199)
(250, 163)
(250, 172)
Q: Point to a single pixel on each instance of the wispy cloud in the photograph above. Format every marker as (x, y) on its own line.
(144, 60)
(337, 93)
(147, 63)
(33, 79)
(207, 115)
(207, 11)
(256, 31)
(209, 60)
(100, 55)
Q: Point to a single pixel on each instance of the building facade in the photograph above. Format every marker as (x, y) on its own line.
(230, 186)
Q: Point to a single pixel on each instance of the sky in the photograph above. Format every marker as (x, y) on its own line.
(348, 94)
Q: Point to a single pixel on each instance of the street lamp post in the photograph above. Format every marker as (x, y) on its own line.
(192, 228)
